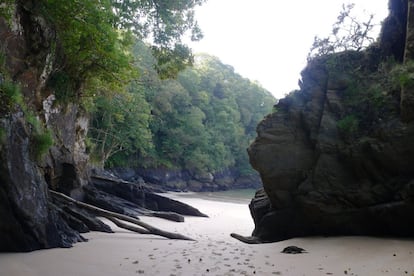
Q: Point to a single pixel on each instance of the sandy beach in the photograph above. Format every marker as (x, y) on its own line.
(214, 252)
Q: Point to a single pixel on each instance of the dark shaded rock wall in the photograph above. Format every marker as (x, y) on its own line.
(28, 220)
(318, 181)
(184, 180)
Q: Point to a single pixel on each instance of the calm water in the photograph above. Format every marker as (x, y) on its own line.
(235, 196)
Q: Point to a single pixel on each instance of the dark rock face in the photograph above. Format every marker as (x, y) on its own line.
(141, 197)
(28, 220)
(182, 180)
(318, 181)
(393, 32)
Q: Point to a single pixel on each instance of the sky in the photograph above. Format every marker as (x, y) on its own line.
(268, 40)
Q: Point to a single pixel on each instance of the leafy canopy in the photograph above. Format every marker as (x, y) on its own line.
(202, 121)
(95, 37)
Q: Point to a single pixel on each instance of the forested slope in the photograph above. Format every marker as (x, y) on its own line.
(202, 121)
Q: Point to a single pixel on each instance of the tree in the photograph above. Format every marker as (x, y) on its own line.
(348, 33)
(95, 37)
(120, 127)
(165, 23)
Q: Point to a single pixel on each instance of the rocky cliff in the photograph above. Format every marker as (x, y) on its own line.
(185, 180)
(29, 54)
(336, 157)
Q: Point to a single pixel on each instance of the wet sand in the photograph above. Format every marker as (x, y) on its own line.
(214, 252)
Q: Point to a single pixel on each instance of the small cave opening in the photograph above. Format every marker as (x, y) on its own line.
(68, 180)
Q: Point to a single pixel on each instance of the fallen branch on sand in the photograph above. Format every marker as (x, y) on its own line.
(115, 217)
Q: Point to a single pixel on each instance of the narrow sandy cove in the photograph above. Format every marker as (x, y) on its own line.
(214, 252)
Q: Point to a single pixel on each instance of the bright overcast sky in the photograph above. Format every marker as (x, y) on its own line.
(268, 40)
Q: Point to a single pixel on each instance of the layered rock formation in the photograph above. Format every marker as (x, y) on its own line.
(337, 156)
(28, 220)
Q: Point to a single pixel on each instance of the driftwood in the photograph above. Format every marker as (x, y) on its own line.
(112, 216)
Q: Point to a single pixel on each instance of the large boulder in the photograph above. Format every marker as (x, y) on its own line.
(331, 166)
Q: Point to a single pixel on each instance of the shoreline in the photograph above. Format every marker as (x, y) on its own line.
(214, 252)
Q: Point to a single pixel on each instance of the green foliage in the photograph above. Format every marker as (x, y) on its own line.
(95, 53)
(164, 21)
(10, 96)
(95, 37)
(202, 121)
(402, 74)
(41, 143)
(348, 125)
(348, 33)
(63, 87)
(7, 8)
(172, 61)
(368, 88)
(120, 126)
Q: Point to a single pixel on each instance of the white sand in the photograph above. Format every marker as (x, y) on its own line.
(214, 252)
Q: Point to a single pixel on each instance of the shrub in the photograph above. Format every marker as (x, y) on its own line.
(402, 75)
(41, 143)
(348, 125)
(10, 95)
